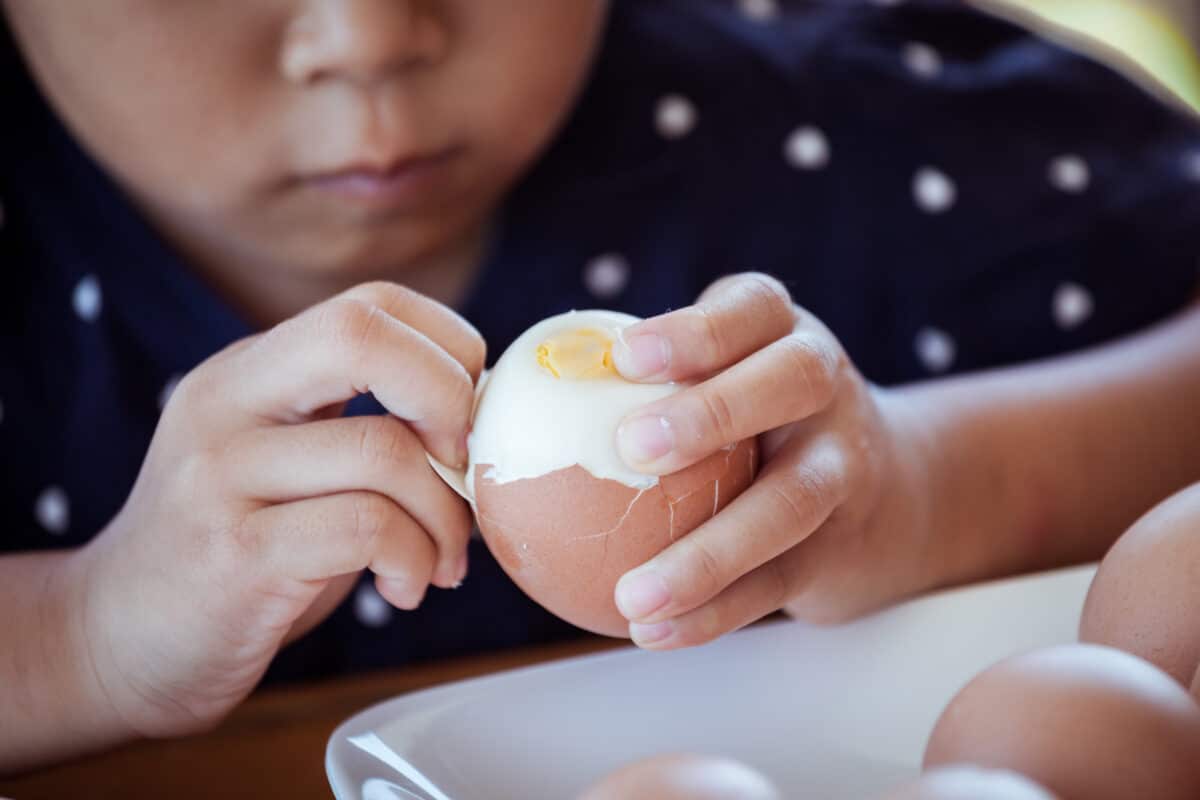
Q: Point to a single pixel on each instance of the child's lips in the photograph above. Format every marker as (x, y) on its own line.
(400, 185)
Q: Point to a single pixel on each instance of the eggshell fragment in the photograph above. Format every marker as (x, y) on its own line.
(1082, 720)
(683, 777)
(968, 782)
(566, 537)
(1145, 598)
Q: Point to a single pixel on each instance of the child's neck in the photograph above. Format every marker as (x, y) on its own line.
(266, 296)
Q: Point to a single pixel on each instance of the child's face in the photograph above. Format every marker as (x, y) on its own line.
(312, 136)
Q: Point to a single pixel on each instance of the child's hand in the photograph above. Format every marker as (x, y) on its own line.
(832, 525)
(258, 504)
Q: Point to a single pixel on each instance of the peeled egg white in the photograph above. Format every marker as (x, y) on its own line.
(557, 506)
(529, 423)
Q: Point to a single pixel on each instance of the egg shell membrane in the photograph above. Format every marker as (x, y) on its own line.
(1083, 721)
(566, 537)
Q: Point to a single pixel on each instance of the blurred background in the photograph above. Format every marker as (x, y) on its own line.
(1156, 41)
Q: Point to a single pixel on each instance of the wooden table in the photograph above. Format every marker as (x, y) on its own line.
(272, 746)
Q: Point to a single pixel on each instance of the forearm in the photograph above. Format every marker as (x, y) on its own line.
(1046, 464)
(53, 706)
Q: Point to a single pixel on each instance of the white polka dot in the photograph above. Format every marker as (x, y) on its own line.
(675, 116)
(807, 148)
(1070, 174)
(922, 60)
(934, 191)
(759, 10)
(606, 276)
(87, 298)
(1191, 165)
(370, 608)
(1073, 306)
(936, 349)
(53, 510)
(168, 389)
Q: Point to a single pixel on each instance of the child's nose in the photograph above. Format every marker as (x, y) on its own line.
(363, 41)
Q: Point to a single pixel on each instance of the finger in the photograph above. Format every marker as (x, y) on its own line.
(441, 324)
(793, 496)
(319, 538)
(374, 453)
(788, 380)
(330, 598)
(750, 598)
(738, 316)
(341, 349)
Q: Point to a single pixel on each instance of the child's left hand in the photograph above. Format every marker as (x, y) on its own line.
(834, 524)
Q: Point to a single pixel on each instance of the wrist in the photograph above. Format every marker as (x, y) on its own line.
(86, 672)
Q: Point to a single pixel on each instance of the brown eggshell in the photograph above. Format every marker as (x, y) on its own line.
(1145, 598)
(968, 782)
(566, 537)
(683, 776)
(1084, 721)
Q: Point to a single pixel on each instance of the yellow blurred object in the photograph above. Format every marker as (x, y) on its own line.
(1134, 35)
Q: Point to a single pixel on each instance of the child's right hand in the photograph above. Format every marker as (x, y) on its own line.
(258, 504)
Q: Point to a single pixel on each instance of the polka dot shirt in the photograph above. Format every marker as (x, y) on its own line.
(945, 190)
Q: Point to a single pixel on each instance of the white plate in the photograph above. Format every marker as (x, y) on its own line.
(825, 712)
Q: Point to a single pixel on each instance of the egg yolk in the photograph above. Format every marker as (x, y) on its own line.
(577, 354)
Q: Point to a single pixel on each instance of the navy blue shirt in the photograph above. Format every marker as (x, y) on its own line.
(945, 190)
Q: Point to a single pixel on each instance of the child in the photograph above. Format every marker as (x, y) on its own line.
(945, 192)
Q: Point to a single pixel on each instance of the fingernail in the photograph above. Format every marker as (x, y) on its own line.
(406, 597)
(642, 355)
(463, 453)
(643, 440)
(650, 634)
(460, 572)
(640, 594)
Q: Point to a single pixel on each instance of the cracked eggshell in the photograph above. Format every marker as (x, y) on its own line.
(567, 537)
(556, 505)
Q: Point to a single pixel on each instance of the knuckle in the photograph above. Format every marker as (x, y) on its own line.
(712, 340)
(381, 442)
(718, 416)
(381, 293)
(202, 382)
(767, 299)
(371, 516)
(347, 325)
(812, 366)
(706, 575)
(799, 491)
